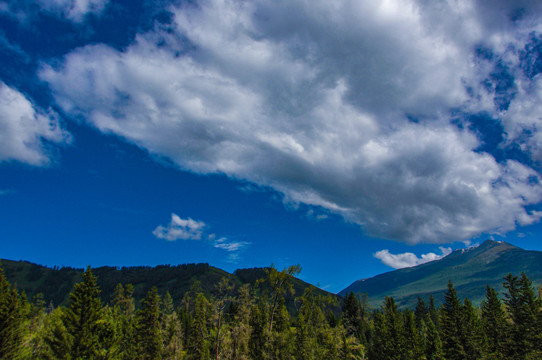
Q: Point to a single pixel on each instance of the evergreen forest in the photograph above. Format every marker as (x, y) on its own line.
(252, 322)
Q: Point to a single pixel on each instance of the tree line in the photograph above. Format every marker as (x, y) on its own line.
(253, 323)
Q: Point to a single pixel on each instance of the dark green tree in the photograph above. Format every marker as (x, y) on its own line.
(494, 324)
(523, 308)
(389, 340)
(433, 343)
(81, 319)
(148, 327)
(258, 337)
(198, 348)
(474, 340)
(11, 320)
(452, 326)
(413, 342)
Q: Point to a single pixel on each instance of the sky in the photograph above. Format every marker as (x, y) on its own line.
(349, 137)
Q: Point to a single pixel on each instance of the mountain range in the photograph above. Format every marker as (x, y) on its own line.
(56, 283)
(470, 270)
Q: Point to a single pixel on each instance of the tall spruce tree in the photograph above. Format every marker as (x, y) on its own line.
(11, 319)
(198, 348)
(523, 308)
(389, 340)
(81, 318)
(494, 324)
(452, 326)
(148, 328)
(433, 343)
(473, 335)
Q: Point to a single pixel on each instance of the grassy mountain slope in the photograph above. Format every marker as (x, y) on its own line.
(469, 270)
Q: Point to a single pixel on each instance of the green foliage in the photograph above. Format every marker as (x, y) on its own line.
(494, 324)
(524, 311)
(83, 319)
(452, 326)
(11, 320)
(148, 323)
(253, 323)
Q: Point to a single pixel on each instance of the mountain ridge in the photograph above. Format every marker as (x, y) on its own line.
(56, 283)
(470, 270)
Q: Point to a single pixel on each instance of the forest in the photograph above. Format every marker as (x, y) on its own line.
(252, 322)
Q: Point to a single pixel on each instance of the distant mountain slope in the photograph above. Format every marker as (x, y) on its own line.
(57, 283)
(469, 269)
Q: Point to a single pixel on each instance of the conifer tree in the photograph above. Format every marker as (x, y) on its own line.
(240, 331)
(494, 323)
(473, 336)
(81, 318)
(523, 308)
(223, 291)
(55, 337)
(351, 317)
(280, 283)
(421, 314)
(452, 326)
(413, 344)
(123, 312)
(148, 328)
(433, 343)
(389, 333)
(198, 348)
(434, 314)
(258, 338)
(11, 318)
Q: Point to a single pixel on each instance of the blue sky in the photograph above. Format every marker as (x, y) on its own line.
(350, 137)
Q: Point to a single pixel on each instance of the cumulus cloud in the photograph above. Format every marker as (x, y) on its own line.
(25, 130)
(408, 259)
(342, 105)
(180, 229)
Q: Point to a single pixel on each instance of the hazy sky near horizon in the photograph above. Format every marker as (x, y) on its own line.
(351, 137)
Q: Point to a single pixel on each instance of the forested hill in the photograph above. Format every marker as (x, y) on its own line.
(470, 270)
(56, 283)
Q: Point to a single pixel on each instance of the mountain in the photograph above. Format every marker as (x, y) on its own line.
(470, 270)
(57, 283)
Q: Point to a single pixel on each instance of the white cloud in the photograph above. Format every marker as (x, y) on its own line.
(180, 229)
(230, 245)
(313, 99)
(75, 10)
(188, 229)
(25, 130)
(408, 259)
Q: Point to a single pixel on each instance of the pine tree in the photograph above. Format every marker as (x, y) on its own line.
(280, 283)
(434, 313)
(198, 348)
(11, 318)
(240, 331)
(123, 312)
(148, 331)
(473, 336)
(81, 318)
(452, 326)
(494, 323)
(257, 340)
(523, 308)
(351, 317)
(389, 333)
(413, 344)
(433, 343)
(421, 314)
